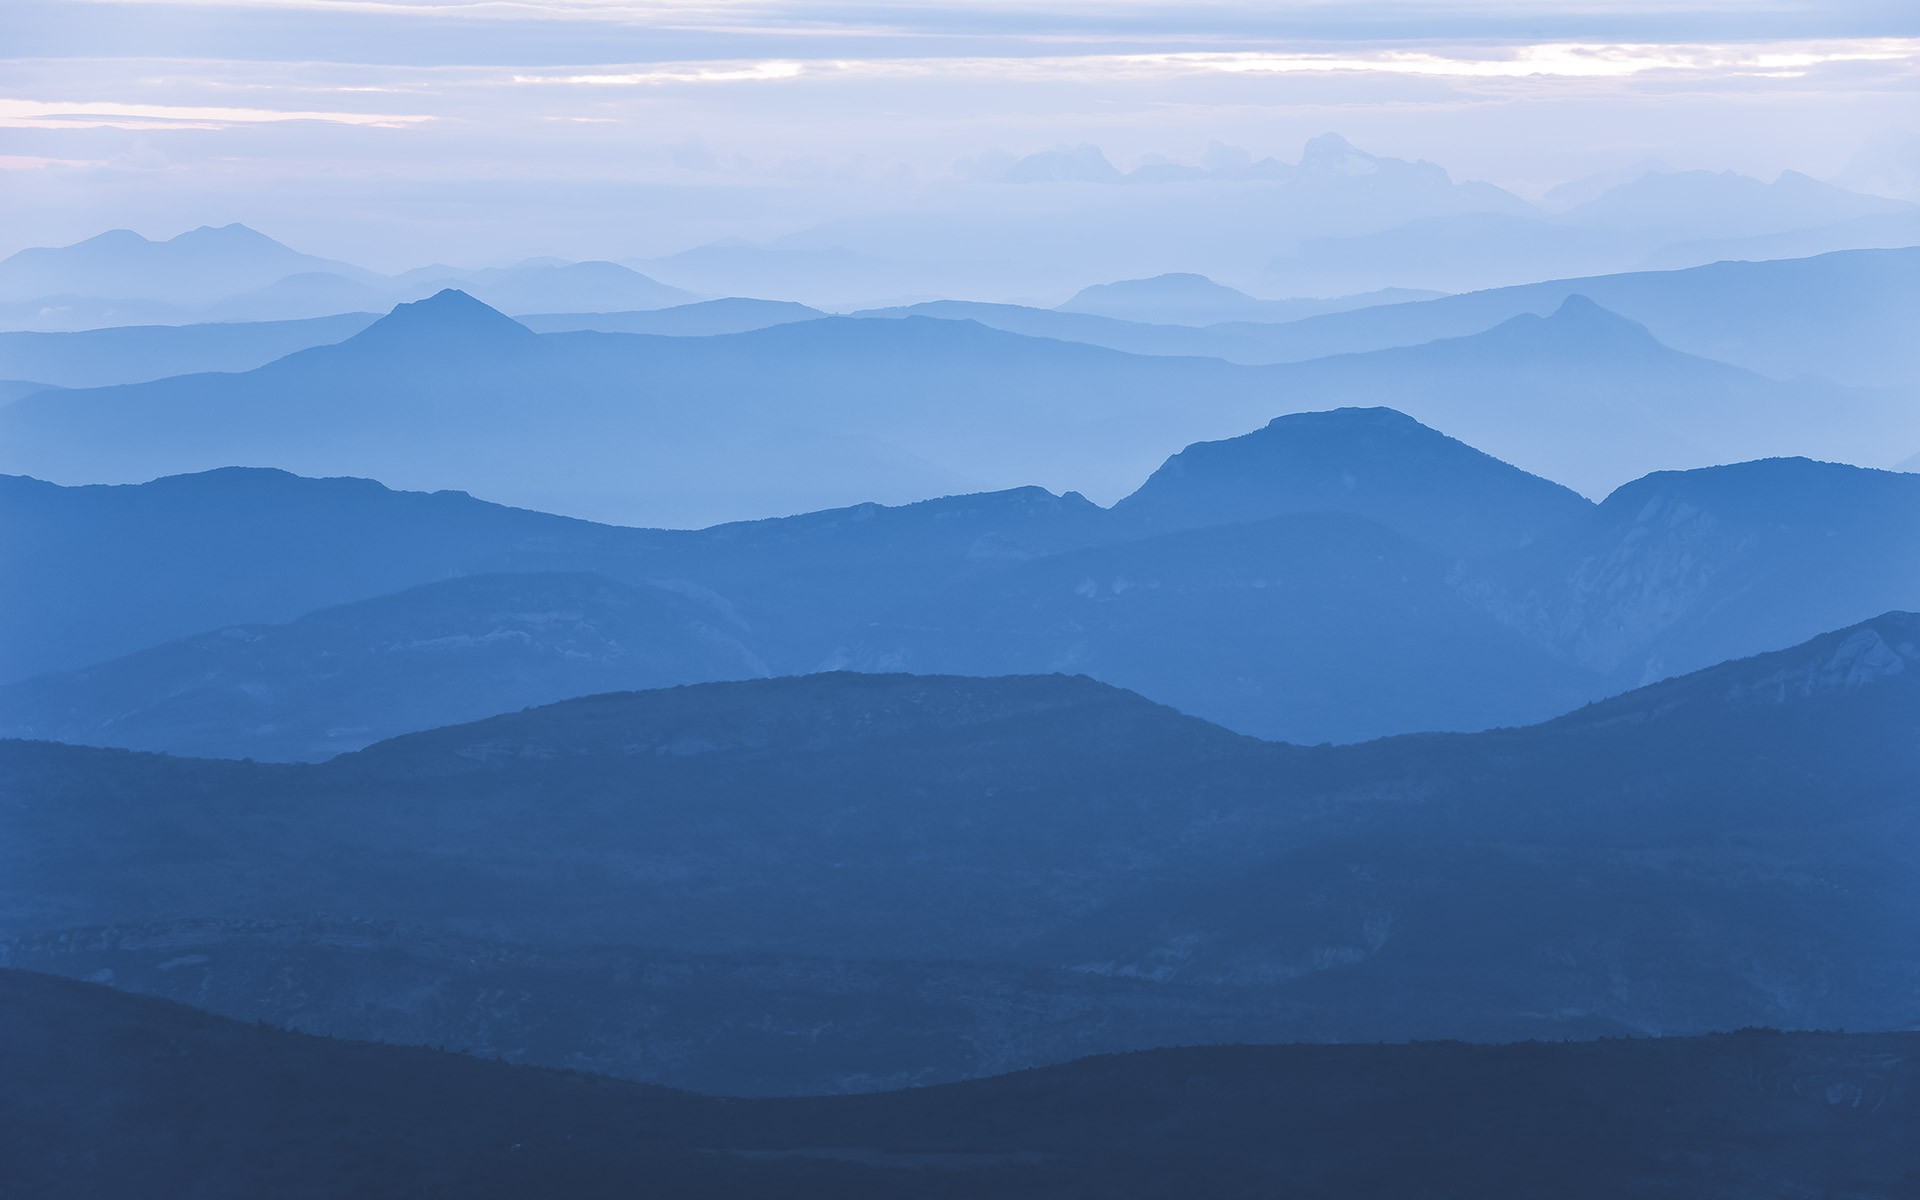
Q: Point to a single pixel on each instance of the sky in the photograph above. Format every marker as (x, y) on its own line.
(397, 132)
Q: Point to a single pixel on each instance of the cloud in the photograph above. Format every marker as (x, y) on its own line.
(18, 113)
(749, 72)
(1546, 61)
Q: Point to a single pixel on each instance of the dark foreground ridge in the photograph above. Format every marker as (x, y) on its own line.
(112, 1095)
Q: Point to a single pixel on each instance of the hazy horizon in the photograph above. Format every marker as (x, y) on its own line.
(395, 134)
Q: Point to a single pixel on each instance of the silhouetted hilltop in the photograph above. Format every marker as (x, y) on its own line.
(1179, 298)
(1375, 462)
(232, 1111)
(450, 321)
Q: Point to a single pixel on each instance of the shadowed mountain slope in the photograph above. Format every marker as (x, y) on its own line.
(342, 677)
(1309, 628)
(1683, 569)
(1517, 882)
(246, 547)
(251, 1109)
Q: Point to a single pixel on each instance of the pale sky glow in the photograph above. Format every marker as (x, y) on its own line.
(358, 126)
(1560, 60)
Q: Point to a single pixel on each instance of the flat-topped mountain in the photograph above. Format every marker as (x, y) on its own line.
(1178, 299)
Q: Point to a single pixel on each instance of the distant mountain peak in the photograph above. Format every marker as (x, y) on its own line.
(1161, 297)
(1378, 463)
(1332, 154)
(232, 230)
(112, 237)
(447, 315)
(1077, 164)
(1579, 324)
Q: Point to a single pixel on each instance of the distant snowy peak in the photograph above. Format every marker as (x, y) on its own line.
(1078, 164)
(1331, 154)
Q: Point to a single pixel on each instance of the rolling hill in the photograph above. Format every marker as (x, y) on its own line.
(249, 1109)
(1425, 886)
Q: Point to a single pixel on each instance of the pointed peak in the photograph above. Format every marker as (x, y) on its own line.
(1579, 306)
(1581, 310)
(1577, 324)
(449, 315)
